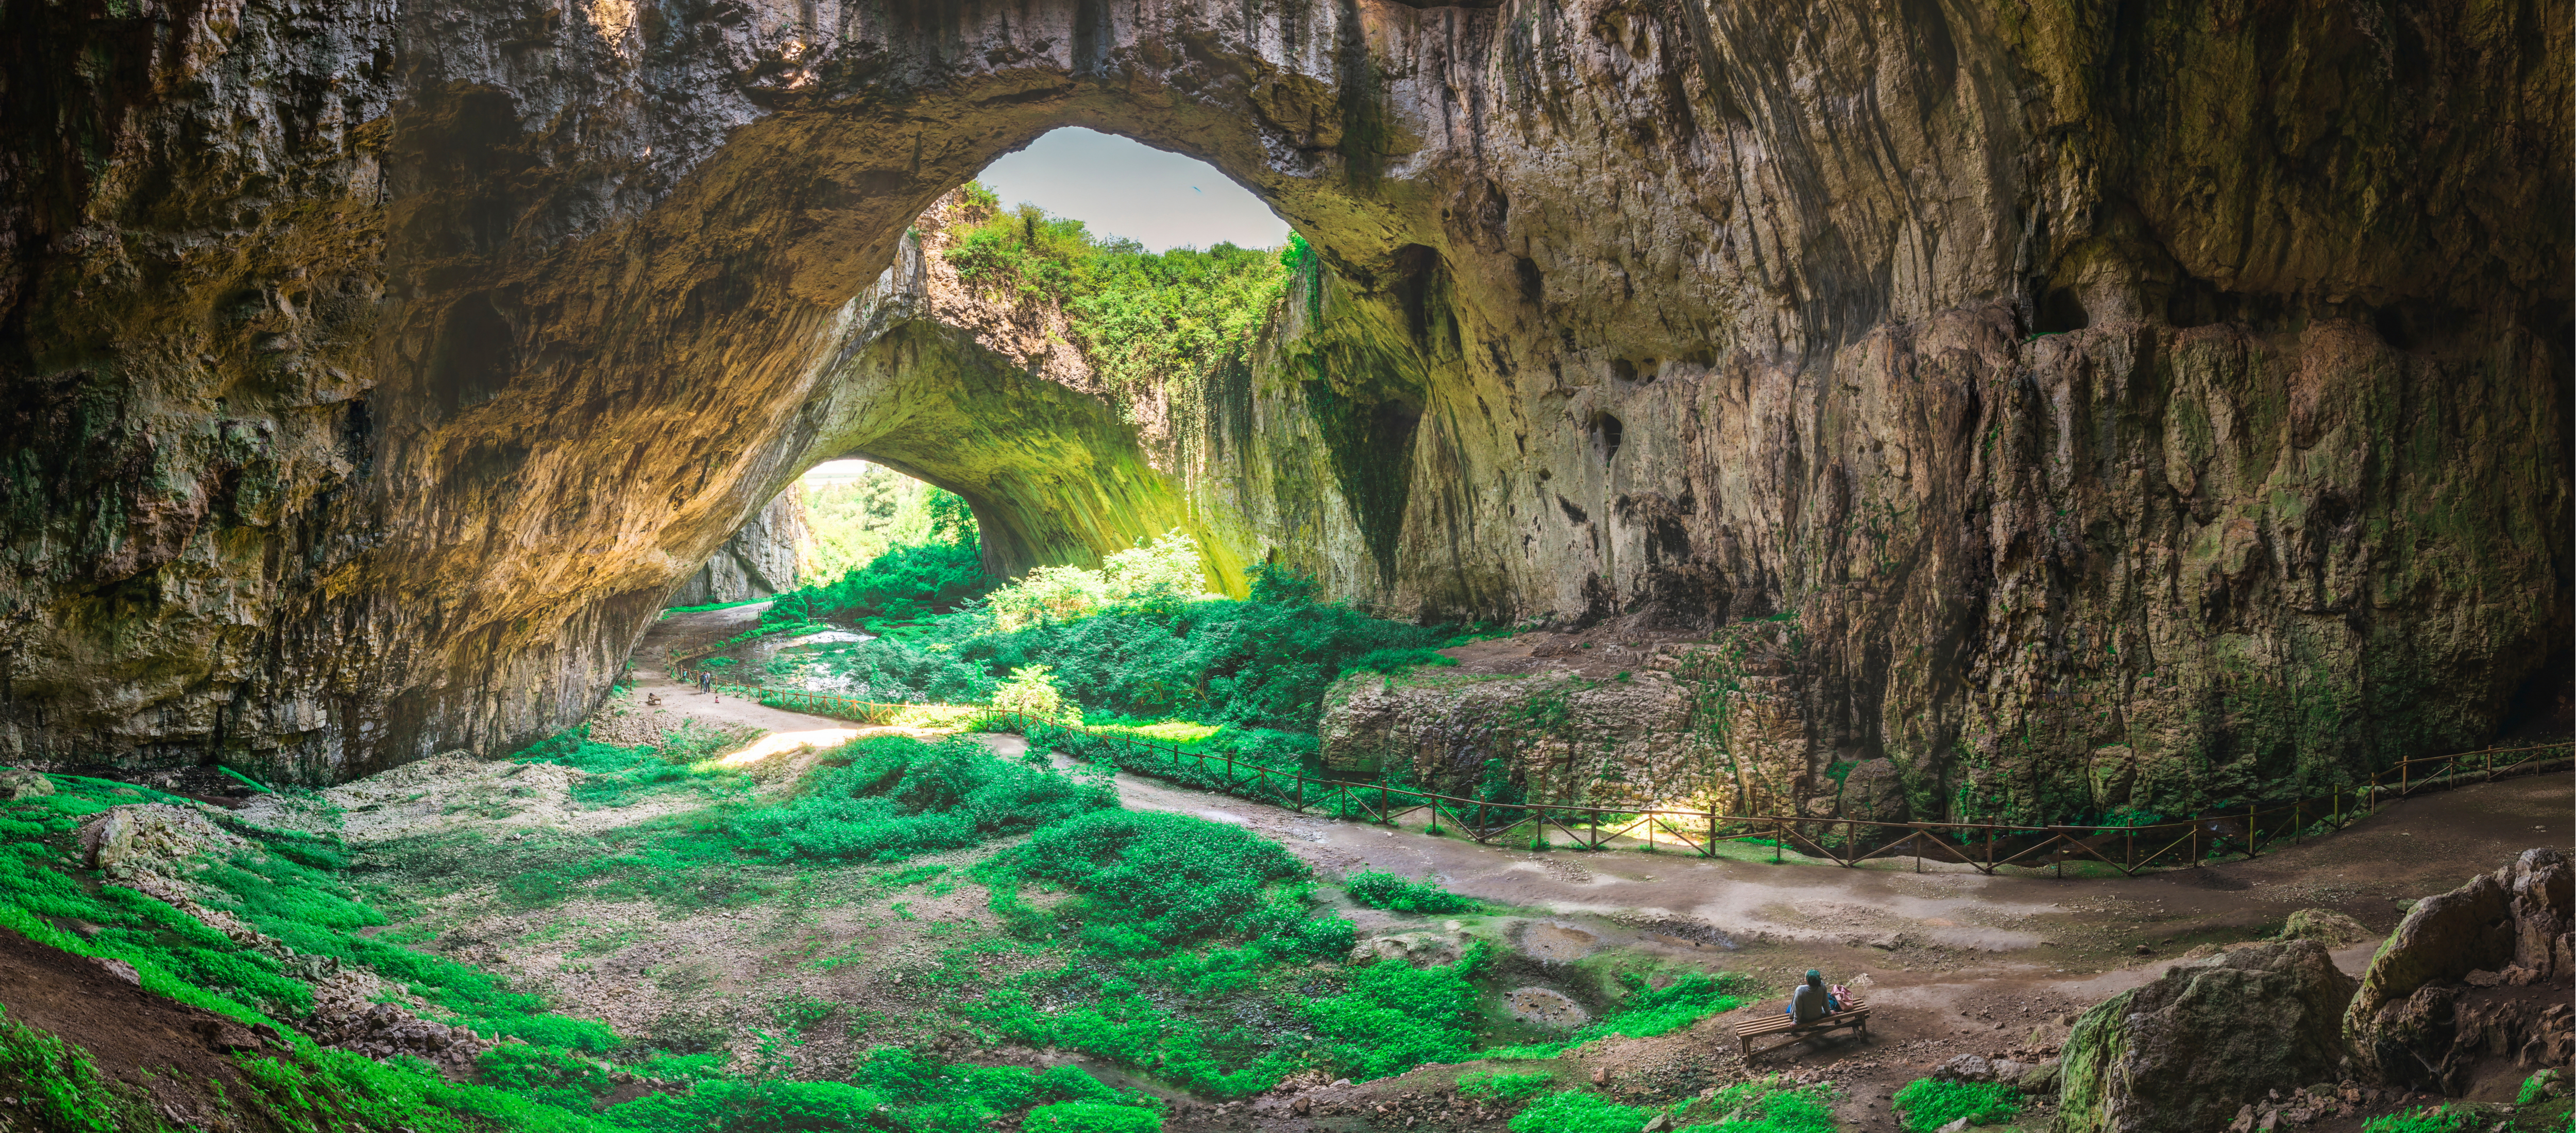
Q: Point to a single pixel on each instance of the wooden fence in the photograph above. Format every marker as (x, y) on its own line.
(1988, 847)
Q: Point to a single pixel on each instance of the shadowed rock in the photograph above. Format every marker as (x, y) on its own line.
(2122, 411)
(2482, 970)
(2183, 1053)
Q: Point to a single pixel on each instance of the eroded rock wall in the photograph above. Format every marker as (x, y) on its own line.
(2156, 393)
(760, 560)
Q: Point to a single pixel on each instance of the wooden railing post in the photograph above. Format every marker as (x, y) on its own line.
(1779, 838)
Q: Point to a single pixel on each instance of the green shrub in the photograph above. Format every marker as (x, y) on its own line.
(1091, 1117)
(548, 1074)
(1135, 315)
(898, 796)
(1770, 1104)
(1030, 692)
(1151, 881)
(2426, 1119)
(1499, 1086)
(1282, 585)
(1380, 890)
(2548, 1081)
(1647, 1012)
(1396, 1017)
(1929, 1104)
(58, 1086)
(757, 1106)
(906, 581)
(1574, 1112)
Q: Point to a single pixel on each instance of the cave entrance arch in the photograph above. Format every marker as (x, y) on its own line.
(779, 268)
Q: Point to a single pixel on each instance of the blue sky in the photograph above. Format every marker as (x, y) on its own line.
(1126, 188)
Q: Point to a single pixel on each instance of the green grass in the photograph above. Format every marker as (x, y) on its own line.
(1190, 951)
(1648, 1012)
(1497, 1085)
(1380, 890)
(296, 889)
(2426, 1119)
(1091, 1117)
(1771, 1104)
(1929, 1104)
(1577, 1112)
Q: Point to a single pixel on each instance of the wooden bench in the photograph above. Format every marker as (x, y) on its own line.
(1854, 1014)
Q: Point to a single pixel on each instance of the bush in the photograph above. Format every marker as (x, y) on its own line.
(1154, 576)
(1396, 1016)
(1379, 890)
(2425, 1119)
(1770, 1105)
(548, 1074)
(1030, 692)
(1929, 1104)
(1282, 585)
(898, 796)
(1135, 315)
(1153, 880)
(1091, 1117)
(1574, 1112)
(907, 581)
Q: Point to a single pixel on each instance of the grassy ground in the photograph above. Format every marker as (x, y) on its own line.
(894, 936)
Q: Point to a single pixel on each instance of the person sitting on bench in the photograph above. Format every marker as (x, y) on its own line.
(1811, 1002)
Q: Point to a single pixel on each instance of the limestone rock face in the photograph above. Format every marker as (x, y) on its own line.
(2485, 969)
(2159, 384)
(760, 560)
(2184, 1052)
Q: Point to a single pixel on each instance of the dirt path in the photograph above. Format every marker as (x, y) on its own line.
(788, 731)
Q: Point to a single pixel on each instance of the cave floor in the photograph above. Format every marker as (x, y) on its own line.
(1953, 961)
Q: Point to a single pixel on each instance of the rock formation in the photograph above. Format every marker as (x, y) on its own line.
(760, 560)
(2483, 971)
(2127, 406)
(2187, 1051)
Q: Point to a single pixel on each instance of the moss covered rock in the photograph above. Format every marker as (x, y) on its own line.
(2181, 1054)
(2461, 979)
(2325, 926)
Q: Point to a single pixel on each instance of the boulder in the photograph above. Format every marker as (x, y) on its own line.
(1978, 1068)
(2325, 926)
(2480, 971)
(19, 783)
(2182, 1054)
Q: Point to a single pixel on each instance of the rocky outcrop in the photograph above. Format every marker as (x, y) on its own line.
(2482, 971)
(2325, 926)
(760, 560)
(2127, 408)
(2185, 1052)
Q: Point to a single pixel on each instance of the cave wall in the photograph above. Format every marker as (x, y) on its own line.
(758, 561)
(2157, 377)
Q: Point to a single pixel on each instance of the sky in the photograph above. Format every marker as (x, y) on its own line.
(833, 470)
(1126, 188)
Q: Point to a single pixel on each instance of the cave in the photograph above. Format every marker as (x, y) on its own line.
(397, 419)
(1999, 504)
